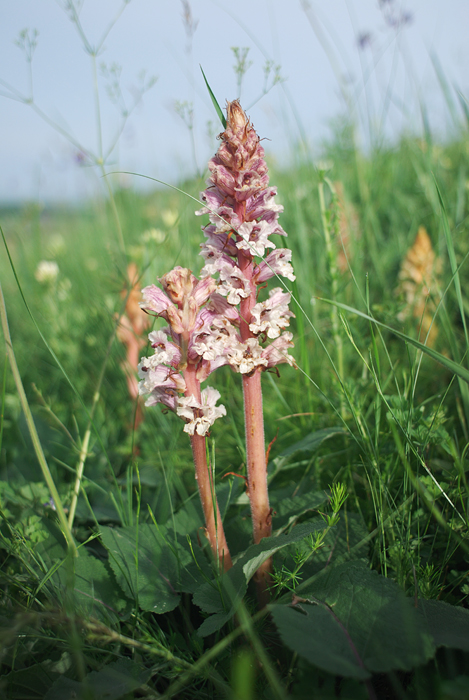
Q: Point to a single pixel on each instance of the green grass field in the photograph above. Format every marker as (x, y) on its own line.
(380, 590)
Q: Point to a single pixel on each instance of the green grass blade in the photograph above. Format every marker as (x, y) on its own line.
(218, 109)
(438, 357)
(464, 106)
(32, 429)
(452, 260)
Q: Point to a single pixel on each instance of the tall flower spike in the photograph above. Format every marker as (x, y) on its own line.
(243, 216)
(177, 367)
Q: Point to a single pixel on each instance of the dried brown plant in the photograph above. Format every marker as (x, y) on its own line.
(418, 284)
(132, 326)
(348, 228)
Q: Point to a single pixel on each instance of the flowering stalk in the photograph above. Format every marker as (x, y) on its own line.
(132, 325)
(243, 215)
(177, 367)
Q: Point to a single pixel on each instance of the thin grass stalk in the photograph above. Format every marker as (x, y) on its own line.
(86, 439)
(334, 282)
(32, 430)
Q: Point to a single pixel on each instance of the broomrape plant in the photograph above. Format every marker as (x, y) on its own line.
(218, 320)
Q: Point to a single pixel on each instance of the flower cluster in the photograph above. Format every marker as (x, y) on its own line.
(177, 365)
(243, 215)
(206, 330)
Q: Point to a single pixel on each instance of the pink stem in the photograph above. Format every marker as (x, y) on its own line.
(255, 440)
(203, 475)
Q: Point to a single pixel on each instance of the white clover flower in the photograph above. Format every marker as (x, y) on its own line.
(153, 234)
(56, 245)
(47, 271)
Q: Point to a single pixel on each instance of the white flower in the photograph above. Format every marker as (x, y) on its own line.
(255, 237)
(272, 315)
(233, 284)
(46, 272)
(245, 357)
(153, 234)
(200, 416)
(165, 351)
(276, 262)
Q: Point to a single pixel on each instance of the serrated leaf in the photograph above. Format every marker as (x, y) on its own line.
(312, 441)
(31, 683)
(448, 624)
(223, 597)
(144, 565)
(289, 506)
(94, 585)
(379, 624)
(329, 649)
(347, 540)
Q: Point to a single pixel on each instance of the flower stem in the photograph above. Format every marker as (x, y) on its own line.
(255, 443)
(213, 522)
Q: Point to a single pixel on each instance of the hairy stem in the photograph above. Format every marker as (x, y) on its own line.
(213, 522)
(255, 441)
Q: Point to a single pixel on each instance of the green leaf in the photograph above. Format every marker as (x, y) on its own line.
(110, 683)
(289, 506)
(347, 540)
(223, 596)
(381, 629)
(318, 637)
(313, 441)
(144, 564)
(447, 624)
(218, 110)
(438, 357)
(31, 683)
(94, 585)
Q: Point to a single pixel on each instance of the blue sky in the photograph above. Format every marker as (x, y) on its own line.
(370, 59)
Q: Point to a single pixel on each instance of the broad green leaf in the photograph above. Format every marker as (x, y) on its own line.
(110, 683)
(144, 564)
(448, 624)
(317, 636)
(94, 584)
(288, 506)
(223, 597)
(31, 683)
(348, 540)
(450, 365)
(380, 626)
(313, 441)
